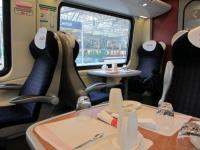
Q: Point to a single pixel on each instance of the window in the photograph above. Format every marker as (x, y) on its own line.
(103, 37)
(191, 17)
(4, 36)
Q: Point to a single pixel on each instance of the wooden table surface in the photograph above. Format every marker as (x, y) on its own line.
(160, 142)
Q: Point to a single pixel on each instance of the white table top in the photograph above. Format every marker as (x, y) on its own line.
(119, 73)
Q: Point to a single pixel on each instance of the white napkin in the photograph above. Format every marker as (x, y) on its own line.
(147, 123)
(104, 116)
(112, 120)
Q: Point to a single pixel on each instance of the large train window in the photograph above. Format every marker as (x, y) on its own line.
(103, 37)
(4, 37)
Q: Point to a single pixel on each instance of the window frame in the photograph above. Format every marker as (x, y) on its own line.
(6, 36)
(184, 11)
(104, 12)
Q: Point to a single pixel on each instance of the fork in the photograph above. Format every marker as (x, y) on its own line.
(96, 137)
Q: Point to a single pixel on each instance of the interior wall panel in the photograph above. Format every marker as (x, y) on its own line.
(165, 26)
(23, 28)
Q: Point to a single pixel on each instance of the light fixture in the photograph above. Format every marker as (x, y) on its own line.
(143, 17)
(144, 5)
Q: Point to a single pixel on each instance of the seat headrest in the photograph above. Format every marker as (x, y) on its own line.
(177, 35)
(46, 45)
(163, 45)
(75, 50)
(150, 48)
(194, 36)
(70, 40)
(149, 45)
(73, 44)
(185, 49)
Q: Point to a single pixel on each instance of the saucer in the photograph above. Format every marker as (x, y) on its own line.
(135, 147)
(131, 104)
(110, 143)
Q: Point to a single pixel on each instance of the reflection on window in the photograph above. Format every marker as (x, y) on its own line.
(103, 39)
(192, 15)
(1, 38)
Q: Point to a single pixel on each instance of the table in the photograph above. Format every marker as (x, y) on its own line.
(160, 142)
(115, 77)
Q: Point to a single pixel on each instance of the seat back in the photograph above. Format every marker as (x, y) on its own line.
(147, 87)
(42, 72)
(71, 86)
(169, 68)
(150, 58)
(184, 90)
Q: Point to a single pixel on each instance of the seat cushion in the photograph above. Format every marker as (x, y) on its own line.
(98, 97)
(13, 115)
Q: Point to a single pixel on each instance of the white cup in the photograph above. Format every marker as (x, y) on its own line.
(115, 100)
(114, 67)
(127, 129)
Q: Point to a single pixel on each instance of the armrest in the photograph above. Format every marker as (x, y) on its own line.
(98, 86)
(28, 99)
(167, 80)
(10, 86)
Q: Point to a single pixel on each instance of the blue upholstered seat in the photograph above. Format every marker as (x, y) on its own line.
(98, 97)
(150, 80)
(14, 115)
(72, 86)
(36, 84)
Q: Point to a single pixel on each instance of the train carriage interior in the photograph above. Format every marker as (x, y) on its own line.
(127, 69)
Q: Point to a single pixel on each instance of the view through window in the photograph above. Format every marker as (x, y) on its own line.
(103, 39)
(1, 38)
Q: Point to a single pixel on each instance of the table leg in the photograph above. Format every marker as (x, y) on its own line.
(125, 88)
(115, 80)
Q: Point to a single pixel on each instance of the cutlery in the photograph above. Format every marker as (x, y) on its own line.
(96, 137)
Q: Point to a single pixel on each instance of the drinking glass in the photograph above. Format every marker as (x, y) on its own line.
(124, 68)
(189, 136)
(165, 116)
(104, 67)
(83, 103)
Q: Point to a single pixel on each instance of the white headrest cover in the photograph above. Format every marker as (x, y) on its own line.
(163, 45)
(149, 45)
(40, 38)
(194, 36)
(177, 35)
